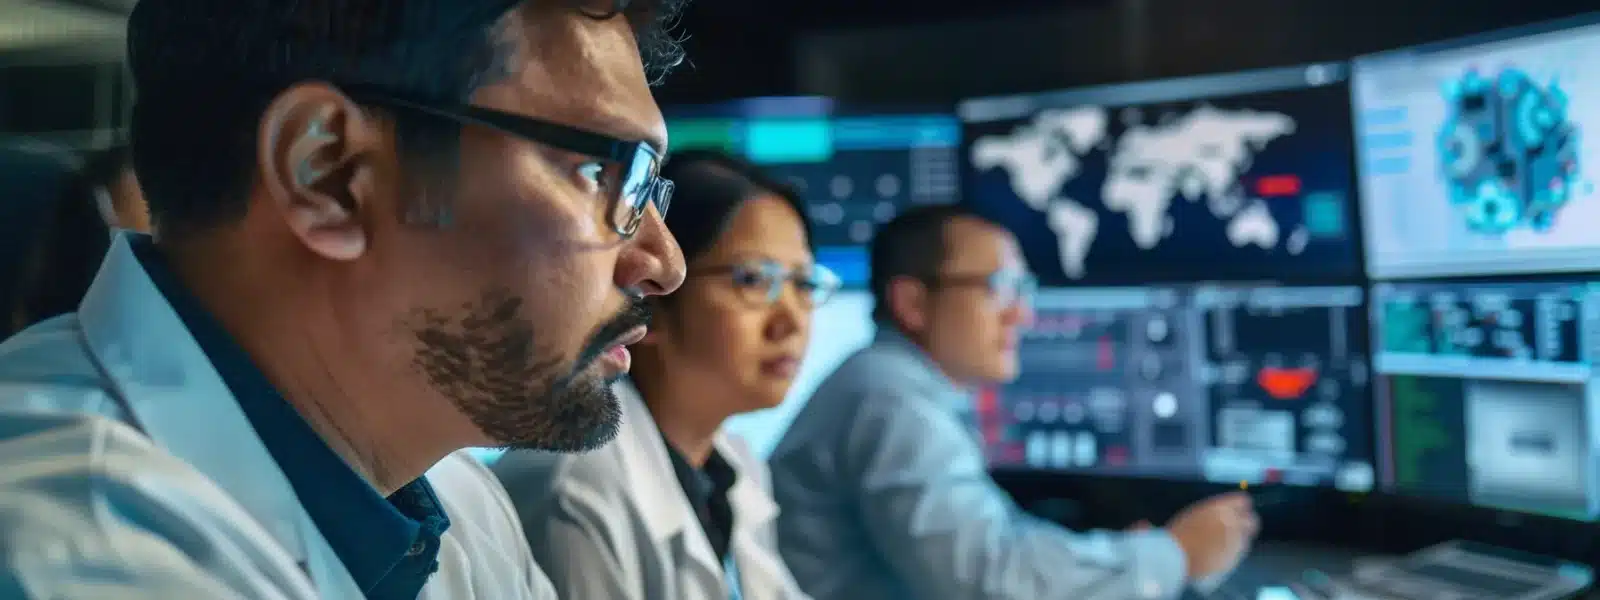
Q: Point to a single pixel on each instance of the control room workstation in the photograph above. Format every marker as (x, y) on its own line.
(1378, 278)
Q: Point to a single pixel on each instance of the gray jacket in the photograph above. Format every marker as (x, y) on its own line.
(885, 494)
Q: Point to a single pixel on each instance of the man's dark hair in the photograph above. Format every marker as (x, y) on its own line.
(205, 70)
(912, 244)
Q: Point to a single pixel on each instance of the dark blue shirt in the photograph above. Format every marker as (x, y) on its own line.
(707, 488)
(389, 545)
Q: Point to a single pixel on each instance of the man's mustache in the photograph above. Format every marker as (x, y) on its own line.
(636, 314)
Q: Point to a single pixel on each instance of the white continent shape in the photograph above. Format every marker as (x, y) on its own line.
(1199, 154)
(1044, 154)
(1075, 226)
(1039, 158)
(1253, 226)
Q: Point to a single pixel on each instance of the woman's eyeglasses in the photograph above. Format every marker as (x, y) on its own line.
(761, 283)
(634, 166)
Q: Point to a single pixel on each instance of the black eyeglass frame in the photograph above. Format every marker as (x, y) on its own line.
(653, 188)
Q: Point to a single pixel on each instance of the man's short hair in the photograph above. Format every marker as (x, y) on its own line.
(205, 70)
(912, 244)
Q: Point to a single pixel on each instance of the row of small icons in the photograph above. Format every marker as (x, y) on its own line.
(1061, 449)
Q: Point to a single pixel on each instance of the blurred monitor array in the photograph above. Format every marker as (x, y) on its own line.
(1481, 231)
(855, 167)
(1381, 275)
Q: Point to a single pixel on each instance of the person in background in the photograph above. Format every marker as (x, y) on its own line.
(118, 195)
(386, 230)
(60, 237)
(676, 509)
(84, 205)
(882, 482)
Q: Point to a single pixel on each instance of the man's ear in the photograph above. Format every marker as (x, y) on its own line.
(315, 153)
(908, 301)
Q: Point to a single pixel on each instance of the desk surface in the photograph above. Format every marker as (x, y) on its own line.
(1276, 563)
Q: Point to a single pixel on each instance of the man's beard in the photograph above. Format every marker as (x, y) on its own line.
(521, 395)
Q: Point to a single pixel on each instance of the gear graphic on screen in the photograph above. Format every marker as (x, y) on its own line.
(1508, 151)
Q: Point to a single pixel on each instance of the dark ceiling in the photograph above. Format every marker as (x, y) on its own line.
(749, 47)
(746, 47)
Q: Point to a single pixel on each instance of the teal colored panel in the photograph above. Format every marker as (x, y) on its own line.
(789, 141)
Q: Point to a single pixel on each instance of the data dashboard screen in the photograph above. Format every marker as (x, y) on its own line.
(1473, 155)
(1217, 383)
(1243, 176)
(1486, 393)
(855, 167)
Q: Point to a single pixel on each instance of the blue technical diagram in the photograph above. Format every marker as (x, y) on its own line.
(1508, 152)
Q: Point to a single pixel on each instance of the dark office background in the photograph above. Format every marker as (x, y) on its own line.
(888, 51)
(60, 81)
(941, 50)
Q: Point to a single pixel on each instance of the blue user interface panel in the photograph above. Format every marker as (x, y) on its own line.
(1473, 154)
(1488, 394)
(856, 168)
(1257, 383)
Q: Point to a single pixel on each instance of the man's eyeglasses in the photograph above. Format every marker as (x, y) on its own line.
(634, 166)
(1006, 288)
(761, 283)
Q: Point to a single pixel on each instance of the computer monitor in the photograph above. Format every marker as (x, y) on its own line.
(1243, 176)
(1237, 383)
(1473, 157)
(856, 167)
(1487, 393)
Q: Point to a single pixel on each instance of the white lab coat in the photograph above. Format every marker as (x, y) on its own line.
(128, 471)
(615, 524)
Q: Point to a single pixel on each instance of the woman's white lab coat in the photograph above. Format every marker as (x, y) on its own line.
(615, 524)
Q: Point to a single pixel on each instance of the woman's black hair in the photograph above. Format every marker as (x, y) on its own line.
(104, 167)
(62, 233)
(711, 186)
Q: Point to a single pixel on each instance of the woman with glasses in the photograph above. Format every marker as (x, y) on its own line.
(675, 509)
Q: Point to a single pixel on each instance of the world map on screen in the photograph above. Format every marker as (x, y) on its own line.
(1133, 181)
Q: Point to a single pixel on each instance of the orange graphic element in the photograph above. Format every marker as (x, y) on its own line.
(1286, 384)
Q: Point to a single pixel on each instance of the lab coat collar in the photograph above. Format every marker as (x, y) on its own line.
(176, 397)
(658, 496)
